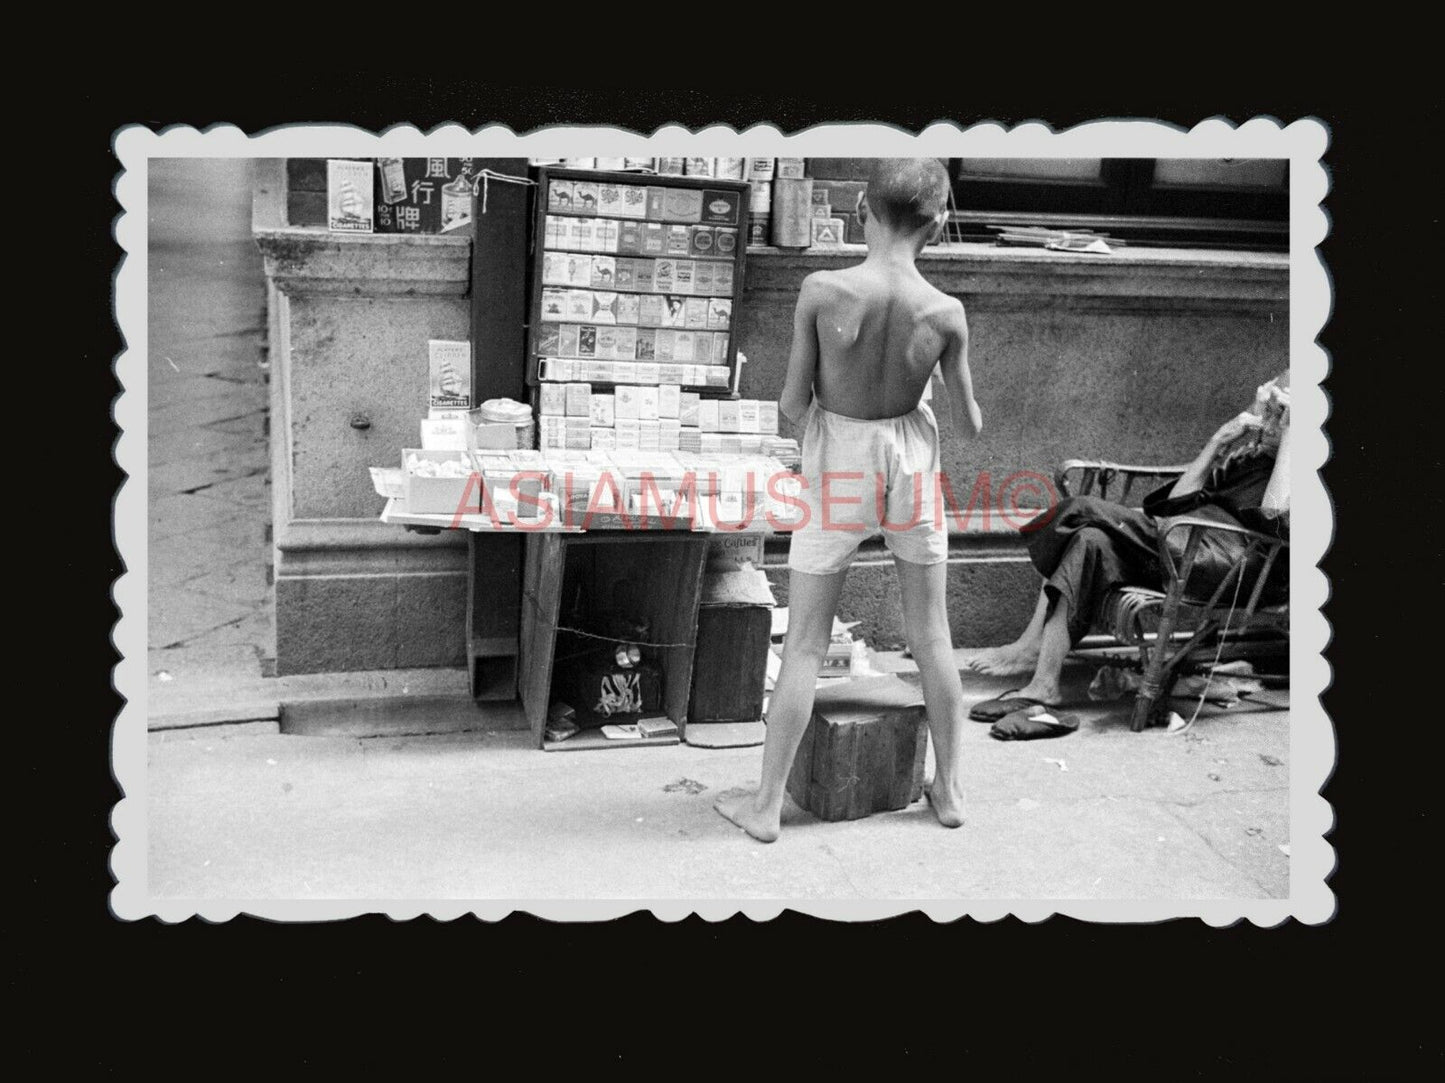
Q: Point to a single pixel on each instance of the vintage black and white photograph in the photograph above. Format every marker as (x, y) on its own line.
(596, 520)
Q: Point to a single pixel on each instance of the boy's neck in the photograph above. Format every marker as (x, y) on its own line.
(886, 248)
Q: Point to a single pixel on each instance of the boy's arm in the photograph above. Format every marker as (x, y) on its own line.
(803, 359)
(958, 379)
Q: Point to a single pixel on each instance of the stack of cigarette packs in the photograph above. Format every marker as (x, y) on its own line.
(663, 417)
(636, 278)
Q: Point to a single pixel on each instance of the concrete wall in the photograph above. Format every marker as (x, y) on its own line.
(1136, 357)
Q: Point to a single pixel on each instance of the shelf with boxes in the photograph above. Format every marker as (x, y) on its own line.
(635, 279)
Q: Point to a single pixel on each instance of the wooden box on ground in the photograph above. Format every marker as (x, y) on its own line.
(734, 628)
(659, 571)
(863, 751)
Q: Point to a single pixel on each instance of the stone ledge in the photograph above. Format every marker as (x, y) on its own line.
(315, 261)
(981, 271)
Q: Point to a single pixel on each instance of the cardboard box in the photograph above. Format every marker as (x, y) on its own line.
(579, 400)
(553, 400)
(441, 495)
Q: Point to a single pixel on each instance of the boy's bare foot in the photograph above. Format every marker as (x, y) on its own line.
(1007, 661)
(739, 807)
(947, 803)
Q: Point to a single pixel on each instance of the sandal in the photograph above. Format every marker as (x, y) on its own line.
(1033, 723)
(991, 710)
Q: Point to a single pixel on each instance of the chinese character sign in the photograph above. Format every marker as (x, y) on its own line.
(423, 195)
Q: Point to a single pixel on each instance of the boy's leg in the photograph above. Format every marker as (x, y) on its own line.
(812, 602)
(1020, 656)
(925, 620)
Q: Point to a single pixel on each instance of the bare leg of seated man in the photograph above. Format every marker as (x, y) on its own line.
(1020, 656)
(812, 601)
(1054, 644)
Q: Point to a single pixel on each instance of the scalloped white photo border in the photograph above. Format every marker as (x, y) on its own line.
(1312, 740)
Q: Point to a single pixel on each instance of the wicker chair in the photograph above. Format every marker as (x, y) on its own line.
(1176, 630)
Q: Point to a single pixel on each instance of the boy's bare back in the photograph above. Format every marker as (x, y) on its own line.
(881, 332)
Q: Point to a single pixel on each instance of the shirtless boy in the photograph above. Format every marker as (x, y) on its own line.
(866, 341)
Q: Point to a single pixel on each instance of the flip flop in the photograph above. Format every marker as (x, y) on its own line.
(1032, 723)
(991, 710)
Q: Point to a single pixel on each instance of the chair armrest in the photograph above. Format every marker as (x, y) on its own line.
(1177, 581)
(1228, 528)
(1103, 472)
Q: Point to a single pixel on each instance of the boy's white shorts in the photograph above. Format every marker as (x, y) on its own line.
(866, 477)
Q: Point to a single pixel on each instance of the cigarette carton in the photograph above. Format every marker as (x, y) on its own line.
(708, 415)
(728, 416)
(649, 373)
(603, 410)
(687, 407)
(720, 208)
(748, 415)
(647, 403)
(729, 168)
(761, 169)
(669, 401)
(553, 400)
(578, 400)
(682, 205)
(790, 169)
(768, 418)
(628, 404)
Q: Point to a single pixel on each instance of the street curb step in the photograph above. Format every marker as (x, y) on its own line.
(411, 716)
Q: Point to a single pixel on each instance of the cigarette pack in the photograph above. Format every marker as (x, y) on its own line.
(654, 239)
(646, 344)
(682, 276)
(624, 372)
(608, 231)
(761, 169)
(450, 363)
(790, 169)
(549, 232)
(597, 372)
(692, 374)
(579, 269)
(827, 232)
(711, 442)
(682, 205)
(748, 415)
(649, 373)
(559, 196)
(649, 309)
(580, 235)
(649, 434)
(702, 278)
(655, 207)
(669, 434)
(760, 229)
(579, 305)
(647, 403)
(728, 419)
(554, 304)
(626, 343)
(669, 400)
(604, 272)
(642, 273)
(628, 406)
(687, 407)
(690, 439)
(584, 197)
(604, 438)
(725, 242)
(674, 311)
(579, 400)
(729, 168)
(443, 434)
(393, 179)
(768, 418)
(720, 347)
(717, 376)
(609, 199)
(664, 344)
(707, 415)
(554, 269)
(702, 349)
(603, 409)
(553, 400)
(606, 343)
(663, 271)
(624, 274)
(629, 238)
(634, 201)
(722, 279)
(697, 312)
(682, 343)
(628, 308)
(567, 340)
(549, 337)
(700, 239)
(760, 197)
(628, 433)
(698, 167)
(822, 210)
(820, 196)
(679, 240)
(674, 167)
(720, 208)
(604, 309)
(719, 313)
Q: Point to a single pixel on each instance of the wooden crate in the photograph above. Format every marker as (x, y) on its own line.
(663, 568)
(863, 750)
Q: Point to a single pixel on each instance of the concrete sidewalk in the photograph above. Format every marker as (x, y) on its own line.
(485, 816)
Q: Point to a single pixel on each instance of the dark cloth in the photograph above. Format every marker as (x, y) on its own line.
(1088, 546)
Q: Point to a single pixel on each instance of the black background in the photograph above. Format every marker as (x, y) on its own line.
(1346, 999)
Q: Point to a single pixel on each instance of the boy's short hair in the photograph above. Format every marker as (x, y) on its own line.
(907, 193)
